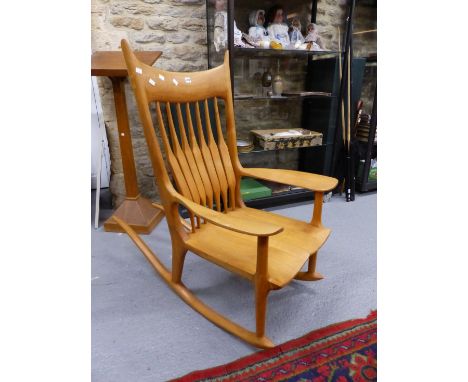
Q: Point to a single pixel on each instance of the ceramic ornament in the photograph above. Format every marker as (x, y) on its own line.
(313, 37)
(277, 29)
(295, 35)
(279, 33)
(257, 32)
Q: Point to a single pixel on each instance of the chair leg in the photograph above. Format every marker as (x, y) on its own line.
(311, 274)
(178, 258)
(261, 296)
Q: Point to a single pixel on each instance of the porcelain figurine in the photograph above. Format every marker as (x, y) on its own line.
(277, 28)
(313, 37)
(295, 35)
(257, 32)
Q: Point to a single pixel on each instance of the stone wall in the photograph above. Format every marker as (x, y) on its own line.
(176, 27)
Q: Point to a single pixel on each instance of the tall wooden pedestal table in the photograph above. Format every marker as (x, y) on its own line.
(135, 210)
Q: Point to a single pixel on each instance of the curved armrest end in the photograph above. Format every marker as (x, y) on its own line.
(253, 228)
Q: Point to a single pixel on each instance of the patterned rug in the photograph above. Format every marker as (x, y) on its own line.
(337, 353)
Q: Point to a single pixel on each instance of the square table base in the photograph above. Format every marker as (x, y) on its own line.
(137, 212)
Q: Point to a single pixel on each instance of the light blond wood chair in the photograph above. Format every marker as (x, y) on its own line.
(263, 247)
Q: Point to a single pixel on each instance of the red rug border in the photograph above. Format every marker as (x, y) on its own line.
(277, 350)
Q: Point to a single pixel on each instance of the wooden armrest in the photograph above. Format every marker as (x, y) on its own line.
(306, 180)
(253, 228)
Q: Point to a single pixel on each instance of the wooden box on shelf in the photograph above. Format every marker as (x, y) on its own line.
(278, 139)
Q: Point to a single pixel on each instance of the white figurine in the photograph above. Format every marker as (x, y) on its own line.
(314, 38)
(257, 32)
(277, 29)
(295, 35)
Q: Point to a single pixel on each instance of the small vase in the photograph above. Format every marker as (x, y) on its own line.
(277, 85)
(266, 79)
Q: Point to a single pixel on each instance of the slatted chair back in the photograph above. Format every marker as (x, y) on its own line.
(196, 151)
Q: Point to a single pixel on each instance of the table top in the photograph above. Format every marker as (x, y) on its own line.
(112, 63)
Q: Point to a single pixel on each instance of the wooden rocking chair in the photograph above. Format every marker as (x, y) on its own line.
(263, 247)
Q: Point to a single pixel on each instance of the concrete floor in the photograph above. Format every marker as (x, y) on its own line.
(141, 331)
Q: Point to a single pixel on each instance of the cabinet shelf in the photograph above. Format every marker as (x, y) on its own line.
(242, 97)
(261, 150)
(278, 53)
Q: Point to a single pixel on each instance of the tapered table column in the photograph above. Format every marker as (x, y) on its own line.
(135, 210)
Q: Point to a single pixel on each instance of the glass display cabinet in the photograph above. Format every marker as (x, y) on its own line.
(293, 86)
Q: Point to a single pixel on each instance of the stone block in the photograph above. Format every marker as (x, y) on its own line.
(188, 53)
(199, 38)
(194, 24)
(134, 8)
(107, 40)
(163, 23)
(178, 38)
(127, 22)
(148, 37)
